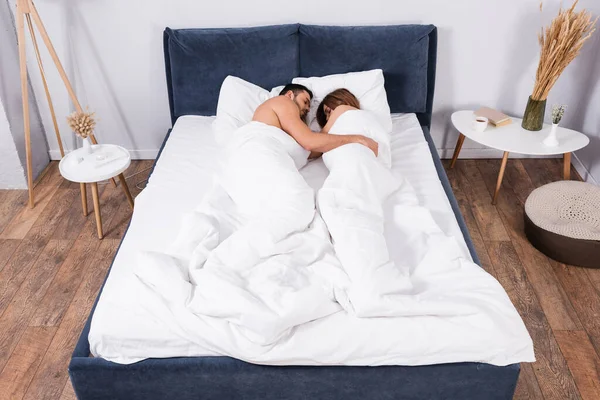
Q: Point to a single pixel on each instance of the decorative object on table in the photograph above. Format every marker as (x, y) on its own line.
(480, 123)
(26, 11)
(83, 123)
(495, 117)
(557, 114)
(512, 140)
(560, 43)
(562, 220)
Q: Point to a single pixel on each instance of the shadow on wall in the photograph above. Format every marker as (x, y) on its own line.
(577, 85)
(443, 132)
(79, 36)
(522, 57)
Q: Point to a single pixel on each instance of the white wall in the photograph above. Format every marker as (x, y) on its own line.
(12, 175)
(487, 55)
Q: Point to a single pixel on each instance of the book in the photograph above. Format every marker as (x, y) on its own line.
(495, 117)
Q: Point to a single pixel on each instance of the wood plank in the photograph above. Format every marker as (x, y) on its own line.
(65, 283)
(486, 215)
(63, 204)
(543, 171)
(517, 178)
(465, 208)
(22, 365)
(7, 249)
(68, 393)
(527, 386)
(17, 314)
(594, 275)
(553, 299)
(52, 177)
(71, 223)
(583, 362)
(43, 173)
(11, 202)
(584, 297)
(551, 371)
(26, 217)
(16, 269)
(51, 376)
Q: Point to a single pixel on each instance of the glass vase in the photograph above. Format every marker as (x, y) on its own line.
(533, 120)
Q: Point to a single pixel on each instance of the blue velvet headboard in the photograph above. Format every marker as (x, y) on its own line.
(197, 61)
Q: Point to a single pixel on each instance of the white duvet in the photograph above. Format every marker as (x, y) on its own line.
(263, 259)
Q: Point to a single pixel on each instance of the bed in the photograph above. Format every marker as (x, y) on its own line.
(197, 60)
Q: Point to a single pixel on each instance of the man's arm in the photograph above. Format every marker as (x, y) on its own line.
(315, 142)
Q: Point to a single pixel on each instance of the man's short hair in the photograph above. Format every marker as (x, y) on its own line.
(296, 89)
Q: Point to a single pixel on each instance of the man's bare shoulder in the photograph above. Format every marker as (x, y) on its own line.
(270, 111)
(278, 102)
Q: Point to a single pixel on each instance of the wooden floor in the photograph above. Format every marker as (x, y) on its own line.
(52, 266)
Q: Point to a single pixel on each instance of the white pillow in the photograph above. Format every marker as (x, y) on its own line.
(276, 90)
(367, 86)
(238, 100)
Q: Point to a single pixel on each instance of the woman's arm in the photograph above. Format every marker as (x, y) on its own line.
(290, 121)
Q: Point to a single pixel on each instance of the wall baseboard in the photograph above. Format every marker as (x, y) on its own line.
(582, 170)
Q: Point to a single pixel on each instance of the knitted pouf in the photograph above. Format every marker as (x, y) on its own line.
(562, 220)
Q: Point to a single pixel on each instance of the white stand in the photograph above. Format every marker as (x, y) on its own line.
(551, 140)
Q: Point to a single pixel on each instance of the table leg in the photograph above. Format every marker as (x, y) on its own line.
(97, 210)
(500, 176)
(567, 166)
(126, 189)
(83, 198)
(459, 143)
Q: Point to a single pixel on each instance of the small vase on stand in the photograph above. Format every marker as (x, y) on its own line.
(551, 140)
(86, 146)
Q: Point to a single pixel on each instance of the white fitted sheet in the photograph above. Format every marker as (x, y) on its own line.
(123, 330)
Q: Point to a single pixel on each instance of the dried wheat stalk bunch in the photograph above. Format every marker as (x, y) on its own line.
(82, 123)
(560, 43)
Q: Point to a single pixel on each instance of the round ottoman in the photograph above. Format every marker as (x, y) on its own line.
(562, 220)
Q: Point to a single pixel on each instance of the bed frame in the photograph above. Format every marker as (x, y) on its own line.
(197, 61)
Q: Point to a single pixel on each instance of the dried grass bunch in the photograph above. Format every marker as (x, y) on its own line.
(560, 43)
(82, 123)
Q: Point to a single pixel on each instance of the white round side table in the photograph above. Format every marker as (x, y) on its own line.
(513, 138)
(105, 162)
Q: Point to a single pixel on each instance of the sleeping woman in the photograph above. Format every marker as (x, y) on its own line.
(351, 203)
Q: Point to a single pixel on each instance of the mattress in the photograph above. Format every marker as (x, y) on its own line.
(124, 327)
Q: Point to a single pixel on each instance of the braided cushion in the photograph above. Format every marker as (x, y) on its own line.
(568, 208)
(562, 220)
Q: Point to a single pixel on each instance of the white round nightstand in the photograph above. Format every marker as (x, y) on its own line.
(105, 162)
(513, 138)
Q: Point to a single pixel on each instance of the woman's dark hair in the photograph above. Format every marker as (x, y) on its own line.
(336, 98)
(295, 88)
